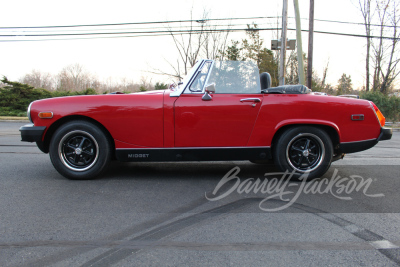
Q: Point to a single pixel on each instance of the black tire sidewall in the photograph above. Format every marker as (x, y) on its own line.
(279, 151)
(104, 150)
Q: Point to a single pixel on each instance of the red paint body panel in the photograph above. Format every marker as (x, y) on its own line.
(224, 121)
(169, 127)
(134, 119)
(155, 119)
(279, 110)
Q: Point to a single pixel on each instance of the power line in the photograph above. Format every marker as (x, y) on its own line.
(357, 23)
(143, 28)
(111, 33)
(131, 23)
(353, 35)
(89, 38)
(185, 21)
(168, 32)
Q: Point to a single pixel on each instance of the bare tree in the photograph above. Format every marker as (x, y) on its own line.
(199, 39)
(383, 52)
(386, 49)
(391, 69)
(39, 79)
(365, 8)
(110, 85)
(74, 78)
(145, 84)
(379, 47)
(324, 74)
(319, 83)
(215, 43)
(189, 45)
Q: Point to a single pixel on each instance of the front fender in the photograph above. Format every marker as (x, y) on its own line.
(135, 119)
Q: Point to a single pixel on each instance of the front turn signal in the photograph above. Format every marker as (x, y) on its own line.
(46, 115)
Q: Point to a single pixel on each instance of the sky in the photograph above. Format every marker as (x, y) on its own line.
(134, 58)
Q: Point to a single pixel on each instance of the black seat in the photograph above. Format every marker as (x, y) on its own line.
(265, 80)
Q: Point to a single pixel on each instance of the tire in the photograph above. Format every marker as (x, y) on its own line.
(80, 150)
(304, 150)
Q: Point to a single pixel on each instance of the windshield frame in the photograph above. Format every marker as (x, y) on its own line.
(188, 79)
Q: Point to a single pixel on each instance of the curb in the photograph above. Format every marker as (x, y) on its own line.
(13, 119)
(25, 121)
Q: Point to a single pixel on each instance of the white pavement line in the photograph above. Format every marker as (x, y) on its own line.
(383, 244)
(352, 228)
(363, 161)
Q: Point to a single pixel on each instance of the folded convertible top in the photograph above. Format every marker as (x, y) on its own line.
(288, 89)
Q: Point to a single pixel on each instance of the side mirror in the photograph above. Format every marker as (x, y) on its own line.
(172, 86)
(210, 87)
(206, 96)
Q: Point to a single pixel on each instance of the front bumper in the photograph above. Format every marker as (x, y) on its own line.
(31, 133)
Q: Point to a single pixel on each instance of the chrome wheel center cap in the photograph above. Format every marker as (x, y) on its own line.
(78, 151)
(306, 153)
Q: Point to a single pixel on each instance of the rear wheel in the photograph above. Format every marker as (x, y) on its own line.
(304, 150)
(80, 150)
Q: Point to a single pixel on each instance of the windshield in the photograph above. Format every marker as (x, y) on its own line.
(199, 81)
(188, 76)
(235, 77)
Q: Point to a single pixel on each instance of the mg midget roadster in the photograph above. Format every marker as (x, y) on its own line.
(222, 110)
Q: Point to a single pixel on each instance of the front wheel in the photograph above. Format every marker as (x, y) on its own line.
(80, 150)
(304, 150)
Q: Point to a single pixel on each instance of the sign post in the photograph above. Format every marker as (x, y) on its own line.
(282, 67)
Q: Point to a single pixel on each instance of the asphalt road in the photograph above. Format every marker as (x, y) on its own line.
(166, 214)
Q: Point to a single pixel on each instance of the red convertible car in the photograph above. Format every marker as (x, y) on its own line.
(222, 110)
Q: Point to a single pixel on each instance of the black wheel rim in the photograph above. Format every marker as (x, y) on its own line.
(305, 152)
(78, 150)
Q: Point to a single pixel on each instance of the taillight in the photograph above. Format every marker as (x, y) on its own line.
(379, 114)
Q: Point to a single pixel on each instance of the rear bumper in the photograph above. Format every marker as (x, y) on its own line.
(386, 134)
(31, 133)
(352, 147)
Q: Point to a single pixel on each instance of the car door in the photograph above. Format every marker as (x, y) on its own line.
(227, 120)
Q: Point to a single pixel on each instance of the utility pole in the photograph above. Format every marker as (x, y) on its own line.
(283, 43)
(299, 43)
(310, 44)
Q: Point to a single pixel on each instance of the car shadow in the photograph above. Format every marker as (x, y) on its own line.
(182, 170)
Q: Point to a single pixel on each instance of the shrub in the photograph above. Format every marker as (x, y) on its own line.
(160, 86)
(389, 105)
(15, 97)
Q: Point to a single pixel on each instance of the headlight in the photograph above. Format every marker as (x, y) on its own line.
(28, 113)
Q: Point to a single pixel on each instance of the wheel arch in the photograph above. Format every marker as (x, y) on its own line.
(44, 146)
(332, 132)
